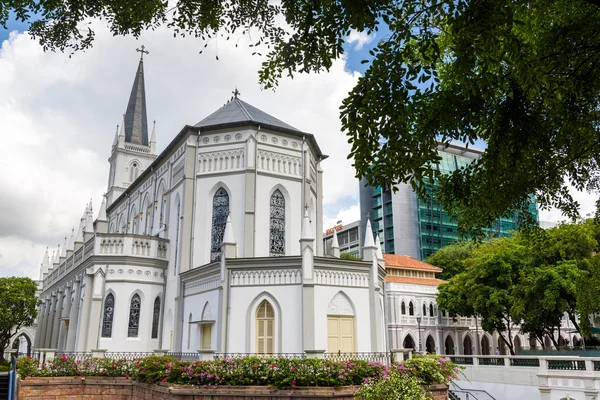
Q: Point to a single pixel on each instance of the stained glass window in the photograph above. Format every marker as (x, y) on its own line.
(219, 220)
(277, 224)
(134, 316)
(109, 312)
(155, 317)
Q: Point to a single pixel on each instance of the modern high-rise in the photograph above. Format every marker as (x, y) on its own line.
(416, 227)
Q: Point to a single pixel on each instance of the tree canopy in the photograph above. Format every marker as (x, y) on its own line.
(18, 307)
(523, 76)
(530, 281)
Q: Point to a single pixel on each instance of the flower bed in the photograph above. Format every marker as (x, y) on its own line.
(272, 374)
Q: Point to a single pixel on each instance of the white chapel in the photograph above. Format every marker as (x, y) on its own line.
(215, 244)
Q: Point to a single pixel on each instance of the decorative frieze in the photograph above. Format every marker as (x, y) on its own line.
(266, 277)
(341, 278)
(201, 285)
(225, 160)
(279, 163)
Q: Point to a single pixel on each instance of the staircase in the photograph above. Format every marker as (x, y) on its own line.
(4, 386)
(455, 392)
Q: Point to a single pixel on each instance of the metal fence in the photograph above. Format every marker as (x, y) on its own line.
(384, 358)
(182, 356)
(218, 356)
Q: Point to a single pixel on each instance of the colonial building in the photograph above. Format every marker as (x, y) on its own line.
(215, 243)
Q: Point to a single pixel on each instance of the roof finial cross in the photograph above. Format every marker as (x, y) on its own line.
(236, 93)
(143, 51)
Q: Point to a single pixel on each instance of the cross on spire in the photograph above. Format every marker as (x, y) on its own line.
(236, 93)
(143, 51)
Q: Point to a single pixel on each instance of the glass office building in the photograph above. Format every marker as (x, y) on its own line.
(416, 227)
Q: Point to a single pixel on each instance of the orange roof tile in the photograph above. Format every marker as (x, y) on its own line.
(418, 281)
(399, 261)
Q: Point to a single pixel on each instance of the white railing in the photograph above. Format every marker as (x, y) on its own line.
(112, 244)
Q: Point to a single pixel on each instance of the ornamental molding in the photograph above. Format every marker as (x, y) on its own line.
(224, 160)
(280, 163)
(340, 305)
(341, 278)
(201, 285)
(266, 277)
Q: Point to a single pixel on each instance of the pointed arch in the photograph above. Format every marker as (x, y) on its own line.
(277, 224)
(411, 308)
(430, 344)
(403, 308)
(408, 342)
(160, 205)
(207, 312)
(340, 304)
(449, 345)
(108, 315)
(431, 310)
(517, 344)
(424, 309)
(251, 324)
(147, 214)
(135, 306)
(220, 211)
(485, 345)
(133, 220)
(155, 317)
(468, 345)
(135, 168)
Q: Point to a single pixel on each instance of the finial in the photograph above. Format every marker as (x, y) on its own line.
(154, 123)
(305, 206)
(143, 51)
(236, 93)
(368, 215)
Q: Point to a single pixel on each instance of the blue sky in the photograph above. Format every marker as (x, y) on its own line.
(12, 25)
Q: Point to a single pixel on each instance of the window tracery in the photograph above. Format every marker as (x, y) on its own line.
(109, 312)
(219, 221)
(277, 225)
(155, 317)
(134, 316)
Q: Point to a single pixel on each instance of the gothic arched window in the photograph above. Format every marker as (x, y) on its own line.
(135, 171)
(265, 327)
(219, 220)
(134, 316)
(411, 308)
(277, 224)
(109, 312)
(431, 309)
(403, 308)
(424, 310)
(155, 317)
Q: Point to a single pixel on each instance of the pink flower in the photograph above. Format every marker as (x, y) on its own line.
(289, 394)
(293, 368)
(164, 380)
(168, 371)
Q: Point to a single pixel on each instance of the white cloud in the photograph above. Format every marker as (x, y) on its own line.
(58, 118)
(346, 215)
(359, 39)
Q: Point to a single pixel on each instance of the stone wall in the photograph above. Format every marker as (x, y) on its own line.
(99, 388)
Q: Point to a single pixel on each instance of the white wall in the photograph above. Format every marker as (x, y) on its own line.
(288, 317)
(194, 305)
(359, 298)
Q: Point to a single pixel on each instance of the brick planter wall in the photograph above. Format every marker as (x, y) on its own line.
(100, 388)
(71, 388)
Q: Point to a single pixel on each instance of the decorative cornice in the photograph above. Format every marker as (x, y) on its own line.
(266, 277)
(201, 285)
(341, 278)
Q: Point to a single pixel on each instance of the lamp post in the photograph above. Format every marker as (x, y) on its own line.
(419, 330)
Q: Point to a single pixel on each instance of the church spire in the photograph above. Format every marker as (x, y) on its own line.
(136, 120)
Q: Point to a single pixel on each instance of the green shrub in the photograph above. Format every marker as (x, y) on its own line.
(275, 372)
(27, 366)
(395, 386)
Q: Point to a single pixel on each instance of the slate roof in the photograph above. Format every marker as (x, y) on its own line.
(238, 112)
(136, 119)
(400, 261)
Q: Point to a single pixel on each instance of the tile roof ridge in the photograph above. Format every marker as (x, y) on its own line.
(242, 107)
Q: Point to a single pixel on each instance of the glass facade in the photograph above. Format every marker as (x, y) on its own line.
(435, 227)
